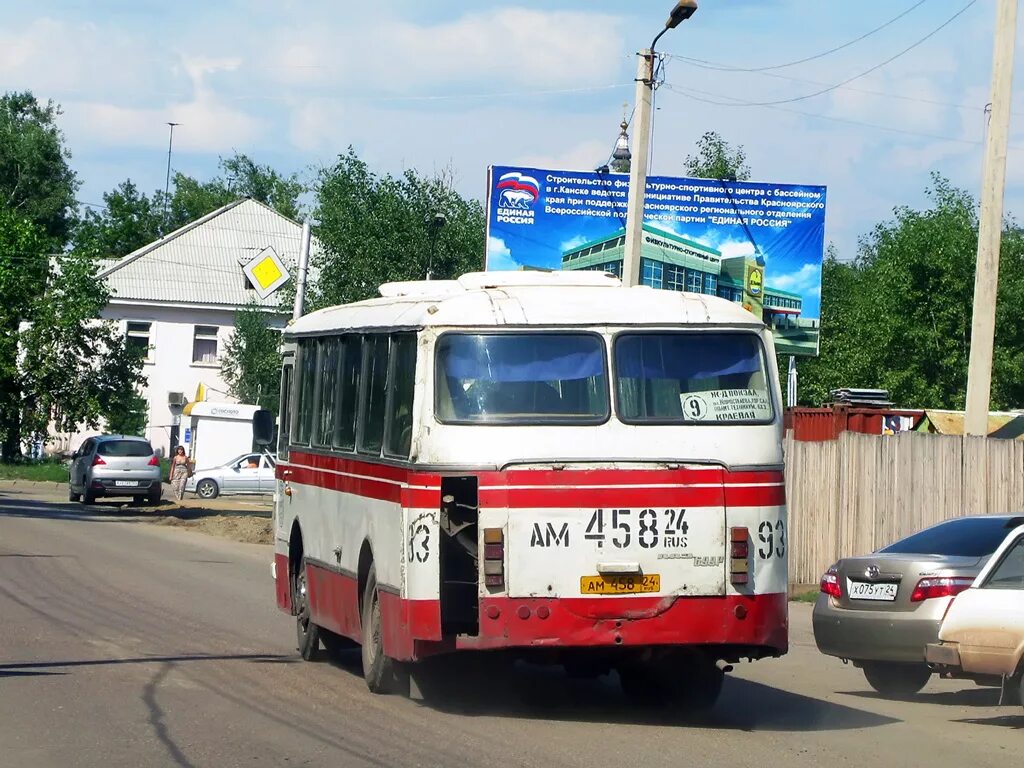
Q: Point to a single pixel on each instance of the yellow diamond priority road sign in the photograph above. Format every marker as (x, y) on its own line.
(266, 273)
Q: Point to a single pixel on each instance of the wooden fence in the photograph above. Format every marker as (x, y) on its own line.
(853, 495)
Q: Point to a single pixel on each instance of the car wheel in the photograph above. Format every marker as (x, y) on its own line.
(207, 489)
(72, 496)
(382, 673)
(307, 633)
(88, 498)
(896, 679)
(155, 495)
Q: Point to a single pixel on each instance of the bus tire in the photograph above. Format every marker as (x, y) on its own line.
(307, 633)
(383, 674)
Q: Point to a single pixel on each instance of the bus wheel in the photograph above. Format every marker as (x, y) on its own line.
(307, 632)
(383, 674)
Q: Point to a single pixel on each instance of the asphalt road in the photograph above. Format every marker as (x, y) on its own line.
(128, 644)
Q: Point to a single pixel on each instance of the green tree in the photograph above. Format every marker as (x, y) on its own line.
(375, 229)
(23, 268)
(241, 177)
(36, 181)
(130, 219)
(717, 159)
(251, 364)
(899, 316)
(76, 368)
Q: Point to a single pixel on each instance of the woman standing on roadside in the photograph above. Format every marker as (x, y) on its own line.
(180, 470)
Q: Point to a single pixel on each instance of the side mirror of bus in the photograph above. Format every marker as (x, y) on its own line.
(262, 427)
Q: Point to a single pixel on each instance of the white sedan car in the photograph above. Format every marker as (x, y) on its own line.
(982, 634)
(248, 473)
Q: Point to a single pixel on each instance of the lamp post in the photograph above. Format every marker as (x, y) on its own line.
(435, 226)
(683, 10)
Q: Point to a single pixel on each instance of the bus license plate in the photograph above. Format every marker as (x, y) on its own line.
(620, 585)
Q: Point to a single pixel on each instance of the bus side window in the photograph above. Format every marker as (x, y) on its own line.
(401, 390)
(373, 396)
(306, 391)
(326, 388)
(285, 411)
(346, 406)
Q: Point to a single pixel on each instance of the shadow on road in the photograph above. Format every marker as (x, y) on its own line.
(114, 510)
(1015, 722)
(493, 686)
(967, 697)
(30, 667)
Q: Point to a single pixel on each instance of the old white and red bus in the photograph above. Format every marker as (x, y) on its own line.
(534, 461)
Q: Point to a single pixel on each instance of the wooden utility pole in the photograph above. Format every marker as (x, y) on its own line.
(990, 229)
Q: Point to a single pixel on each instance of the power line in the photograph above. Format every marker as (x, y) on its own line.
(871, 92)
(724, 67)
(707, 97)
(868, 71)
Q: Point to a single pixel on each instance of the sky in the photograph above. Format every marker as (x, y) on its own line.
(459, 85)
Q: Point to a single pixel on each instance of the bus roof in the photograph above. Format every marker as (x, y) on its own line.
(481, 299)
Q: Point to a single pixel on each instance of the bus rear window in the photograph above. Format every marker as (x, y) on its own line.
(521, 378)
(691, 378)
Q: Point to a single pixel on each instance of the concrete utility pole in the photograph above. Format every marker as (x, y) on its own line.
(683, 10)
(300, 286)
(990, 229)
(638, 167)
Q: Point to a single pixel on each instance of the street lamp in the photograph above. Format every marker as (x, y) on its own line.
(435, 225)
(683, 10)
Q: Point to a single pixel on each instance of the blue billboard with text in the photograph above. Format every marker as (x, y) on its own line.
(755, 243)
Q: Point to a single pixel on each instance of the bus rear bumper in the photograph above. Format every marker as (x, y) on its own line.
(759, 623)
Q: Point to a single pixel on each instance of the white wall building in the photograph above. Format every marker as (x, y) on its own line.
(177, 297)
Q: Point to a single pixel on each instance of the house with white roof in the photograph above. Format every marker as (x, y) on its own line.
(177, 298)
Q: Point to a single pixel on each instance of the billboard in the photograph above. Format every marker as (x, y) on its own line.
(758, 244)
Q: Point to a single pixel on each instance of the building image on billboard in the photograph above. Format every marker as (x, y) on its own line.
(769, 238)
(674, 263)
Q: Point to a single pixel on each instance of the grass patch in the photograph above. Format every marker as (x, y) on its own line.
(809, 596)
(38, 471)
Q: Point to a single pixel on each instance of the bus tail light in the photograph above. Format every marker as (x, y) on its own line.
(739, 550)
(494, 557)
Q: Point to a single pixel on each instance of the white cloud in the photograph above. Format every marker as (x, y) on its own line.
(805, 281)
(206, 123)
(318, 124)
(583, 156)
(499, 257)
(572, 242)
(506, 46)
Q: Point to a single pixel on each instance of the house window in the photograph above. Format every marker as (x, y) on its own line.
(137, 337)
(204, 344)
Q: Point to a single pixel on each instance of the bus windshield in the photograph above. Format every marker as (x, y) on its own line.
(691, 378)
(521, 378)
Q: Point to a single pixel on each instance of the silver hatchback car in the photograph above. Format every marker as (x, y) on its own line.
(879, 611)
(115, 465)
